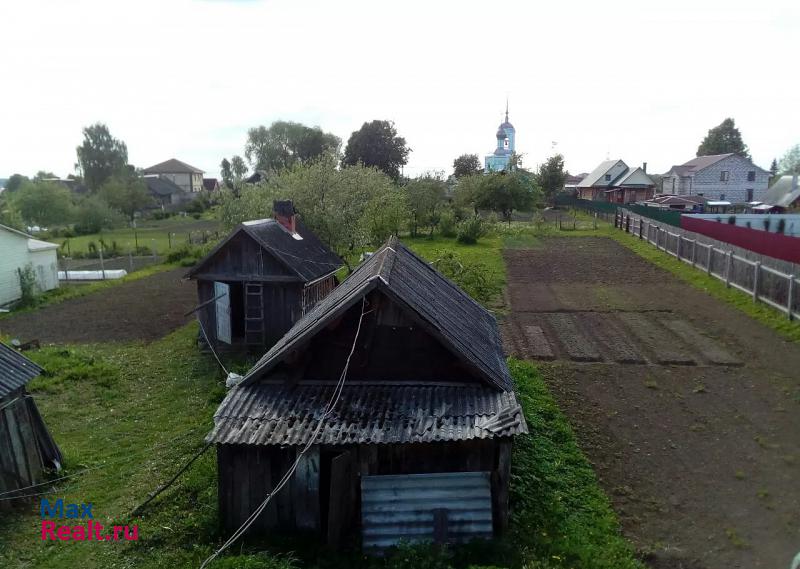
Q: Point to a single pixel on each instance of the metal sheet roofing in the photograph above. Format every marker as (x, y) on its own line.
(307, 257)
(463, 325)
(281, 414)
(15, 370)
(172, 166)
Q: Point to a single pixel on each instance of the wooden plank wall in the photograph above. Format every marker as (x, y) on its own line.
(247, 473)
(21, 462)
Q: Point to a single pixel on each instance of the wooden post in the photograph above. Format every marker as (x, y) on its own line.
(641, 227)
(678, 247)
(102, 265)
(728, 263)
(790, 297)
(710, 254)
(627, 224)
(694, 252)
(756, 271)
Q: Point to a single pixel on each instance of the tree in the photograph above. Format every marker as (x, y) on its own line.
(226, 173)
(93, 214)
(790, 162)
(466, 165)
(287, 143)
(238, 169)
(100, 156)
(773, 168)
(14, 182)
(126, 192)
(425, 196)
(550, 177)
(43, 175)
(505, 192)
(346, 208)
(377, 144)
(722, 139)
(45, 204)
(467, 192)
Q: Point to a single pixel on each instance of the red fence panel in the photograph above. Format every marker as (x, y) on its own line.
(771, 244)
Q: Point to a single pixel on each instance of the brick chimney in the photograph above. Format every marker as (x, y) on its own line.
(284, 213)
(644, 167)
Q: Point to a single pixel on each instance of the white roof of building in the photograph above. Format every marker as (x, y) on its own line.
(33, 243)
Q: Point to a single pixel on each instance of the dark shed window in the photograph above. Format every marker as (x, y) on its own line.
(751, 176)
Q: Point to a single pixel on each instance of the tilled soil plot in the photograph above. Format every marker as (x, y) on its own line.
(688, 409)
(145, 309)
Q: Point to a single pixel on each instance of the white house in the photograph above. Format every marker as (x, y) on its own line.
(19, 250)
(724, 177)
(186, 177)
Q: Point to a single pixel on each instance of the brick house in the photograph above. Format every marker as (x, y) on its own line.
(725, 177)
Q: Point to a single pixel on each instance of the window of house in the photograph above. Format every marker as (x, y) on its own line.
(751, 176)
(608, 177)
(721, 197)
(749, 194)
(724, 175)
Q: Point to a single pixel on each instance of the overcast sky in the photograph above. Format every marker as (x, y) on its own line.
(634, 80)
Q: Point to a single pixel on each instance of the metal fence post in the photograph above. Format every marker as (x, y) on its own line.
(102, 265)
(756, 270)
(708, 260)
(694, 252)
(790, 299)
(678, 247)
(728, 262)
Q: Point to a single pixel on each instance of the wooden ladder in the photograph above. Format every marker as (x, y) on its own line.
(254, 332)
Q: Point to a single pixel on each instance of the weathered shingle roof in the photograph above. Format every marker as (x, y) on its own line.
(15, 370)
(172, 166)
(280, 414)
(307, 257)
(463, 325)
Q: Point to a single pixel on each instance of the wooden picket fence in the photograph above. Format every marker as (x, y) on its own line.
(764, 283)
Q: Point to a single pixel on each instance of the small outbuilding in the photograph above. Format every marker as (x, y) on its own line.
(261, 279)
(22, 253)
(27, 450)
(391, 406)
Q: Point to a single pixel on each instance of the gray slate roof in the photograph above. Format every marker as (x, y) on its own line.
(172, 166)
(462, 324)
(280, 414)
(308, 257)
(15, 370)
(162, 187)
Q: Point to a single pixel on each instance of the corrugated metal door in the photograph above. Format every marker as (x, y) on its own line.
(223, 312)
(453, 507)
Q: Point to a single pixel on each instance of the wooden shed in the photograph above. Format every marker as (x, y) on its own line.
(261, 279)
(417, 444)
(27, 450)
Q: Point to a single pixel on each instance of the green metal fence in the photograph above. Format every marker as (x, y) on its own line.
(668, 217)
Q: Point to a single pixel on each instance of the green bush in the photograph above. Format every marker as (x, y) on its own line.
(447, 224)
(472, 277)
(27, 285)
(470, 230)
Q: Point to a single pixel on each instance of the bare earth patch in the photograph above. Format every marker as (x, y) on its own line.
(688, 409)
(144, 309)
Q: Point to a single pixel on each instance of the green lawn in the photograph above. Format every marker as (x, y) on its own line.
(128, 416)
(161, 235)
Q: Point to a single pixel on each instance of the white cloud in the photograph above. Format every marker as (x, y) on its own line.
(186, 79)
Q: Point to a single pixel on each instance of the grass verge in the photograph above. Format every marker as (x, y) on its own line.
(763, 313)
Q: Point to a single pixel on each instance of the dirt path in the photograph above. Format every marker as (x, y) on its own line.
(145, 309)
(689, 410)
